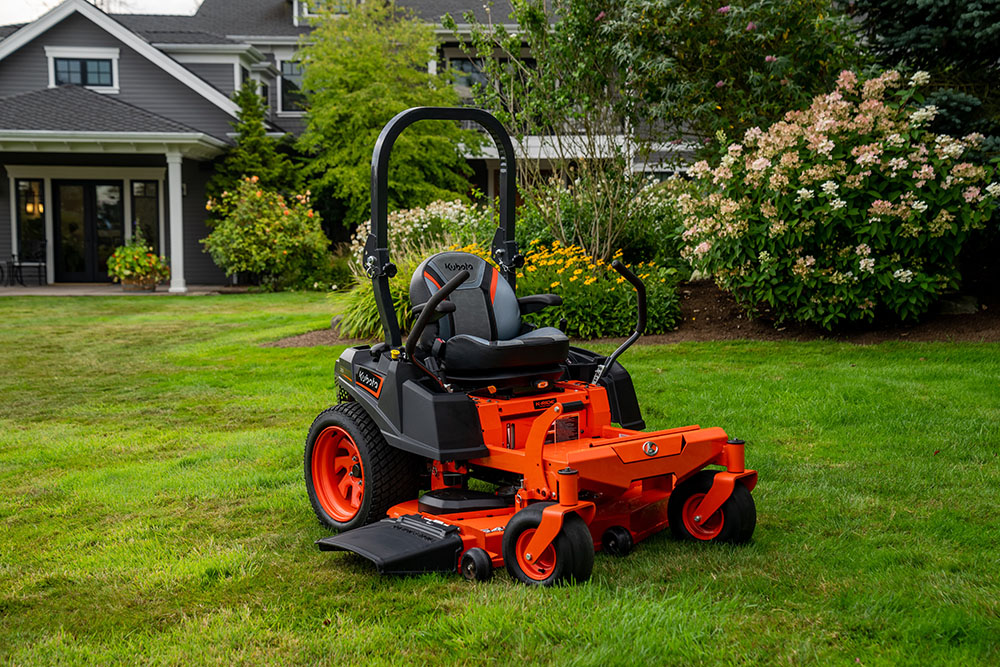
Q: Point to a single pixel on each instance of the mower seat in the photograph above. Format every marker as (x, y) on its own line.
(484, 340)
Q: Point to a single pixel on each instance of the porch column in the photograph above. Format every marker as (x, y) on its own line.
(174, 181)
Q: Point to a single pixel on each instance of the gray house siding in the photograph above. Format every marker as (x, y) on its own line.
(5, 249)
(199, 269)
(219, 75)
(141, 83)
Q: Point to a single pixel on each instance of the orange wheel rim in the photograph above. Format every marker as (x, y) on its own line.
(337, 474)
(541, 566)
(706, 530)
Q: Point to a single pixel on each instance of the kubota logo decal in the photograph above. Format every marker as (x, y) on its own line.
(369, 380)
(452, 266)
(545, 403)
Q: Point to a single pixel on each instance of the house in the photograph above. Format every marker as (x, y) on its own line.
(108, 121)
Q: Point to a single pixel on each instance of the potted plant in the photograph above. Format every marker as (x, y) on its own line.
(137, 266)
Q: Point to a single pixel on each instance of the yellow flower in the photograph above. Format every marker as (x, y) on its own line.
(531, 268)
(555, 284)
(572, 278)
(560, 270)
(620, 280)
(578, 272)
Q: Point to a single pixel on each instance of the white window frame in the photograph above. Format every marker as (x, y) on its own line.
(85, 53)
(280, 101)
(302, 9)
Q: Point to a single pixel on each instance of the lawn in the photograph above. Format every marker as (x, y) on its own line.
(152, 506)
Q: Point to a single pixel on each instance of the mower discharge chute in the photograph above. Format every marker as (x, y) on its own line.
(477, 393)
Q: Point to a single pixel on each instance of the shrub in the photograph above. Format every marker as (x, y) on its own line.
(846, 211)
(440, 222)
(596, 301)
(136, 262)
(640, 218)
(260, 232)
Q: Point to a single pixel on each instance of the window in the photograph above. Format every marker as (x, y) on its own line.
(292, 98)
(83, 72)
(244, 75)
(312, 8)
(468, 73)
(30, 215)
(95, 68)
(265, 95)
(146, 211)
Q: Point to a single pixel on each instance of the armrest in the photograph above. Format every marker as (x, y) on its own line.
(442, 309)
(536, 302)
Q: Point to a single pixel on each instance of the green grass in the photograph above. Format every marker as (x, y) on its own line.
(152, 507)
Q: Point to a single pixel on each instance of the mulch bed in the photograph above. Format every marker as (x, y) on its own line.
(710, 314)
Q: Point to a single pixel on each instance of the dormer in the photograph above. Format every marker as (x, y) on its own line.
(303, 10)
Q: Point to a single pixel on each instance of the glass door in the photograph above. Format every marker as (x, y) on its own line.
(89, 226)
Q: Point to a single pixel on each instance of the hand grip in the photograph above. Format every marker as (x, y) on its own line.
(429, 308)
(640, 289)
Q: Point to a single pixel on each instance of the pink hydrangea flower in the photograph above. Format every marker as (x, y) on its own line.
(723, 10)
(600, 17)
(770, 59)
(720, 84)
(751, 26)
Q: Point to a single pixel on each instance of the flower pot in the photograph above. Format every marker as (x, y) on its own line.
(138, 285)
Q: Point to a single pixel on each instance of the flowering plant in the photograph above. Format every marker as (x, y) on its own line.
(135, 262)
(847, 210)
(277, 240)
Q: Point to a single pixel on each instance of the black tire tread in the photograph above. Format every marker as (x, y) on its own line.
(391, 474)
(739, 510)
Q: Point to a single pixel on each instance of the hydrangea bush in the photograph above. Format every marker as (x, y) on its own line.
(847, 211)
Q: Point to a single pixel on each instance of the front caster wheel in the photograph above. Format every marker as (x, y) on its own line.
(477, 565)
(733, 522)
(352, 474)
(570, 556)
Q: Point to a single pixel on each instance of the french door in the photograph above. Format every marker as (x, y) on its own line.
(89, 225)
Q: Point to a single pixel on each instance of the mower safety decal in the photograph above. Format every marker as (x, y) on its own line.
(369, 380)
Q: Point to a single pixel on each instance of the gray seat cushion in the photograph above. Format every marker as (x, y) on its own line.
(540, 347)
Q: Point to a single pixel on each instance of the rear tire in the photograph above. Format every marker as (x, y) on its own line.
(617, 541)
(477, 565)
(353, 476)
(734, 522)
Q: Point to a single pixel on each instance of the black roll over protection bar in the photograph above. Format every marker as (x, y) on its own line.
(640, 325)
(377, 263)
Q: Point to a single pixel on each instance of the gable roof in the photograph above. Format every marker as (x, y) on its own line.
(30, 31)
(76, 109)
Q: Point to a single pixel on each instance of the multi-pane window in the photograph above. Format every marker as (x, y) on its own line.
(468, 74)
(146, 211)
(30, 214)
(83, 71)
(292, 98)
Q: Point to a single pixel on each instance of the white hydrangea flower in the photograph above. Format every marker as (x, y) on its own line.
(923, 115)
(993, 189)
(837, 204)
(829, 187)
(920, 78)
(805, 194)
(867, 264)
(919, 206)
(903, 275)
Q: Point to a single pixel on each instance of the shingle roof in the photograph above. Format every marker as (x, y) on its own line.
(432, 10)
(6, 30)
(183, 37)
(76, 109)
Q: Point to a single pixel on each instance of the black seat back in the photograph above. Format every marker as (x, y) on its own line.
(485, 305)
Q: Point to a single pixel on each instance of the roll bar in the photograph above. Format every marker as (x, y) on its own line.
(377, 263)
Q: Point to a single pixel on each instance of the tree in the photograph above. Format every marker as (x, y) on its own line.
(360, 70)
(956, 41)
(699, 66)
(254, 153)
(553, 79)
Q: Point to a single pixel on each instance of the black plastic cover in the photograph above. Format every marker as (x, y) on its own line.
(452, 501)
(582, 364)
(406, 545)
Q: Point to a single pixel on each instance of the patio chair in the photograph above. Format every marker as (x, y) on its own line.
(32, 256)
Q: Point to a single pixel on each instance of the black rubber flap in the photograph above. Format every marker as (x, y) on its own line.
(406, 545)
(452, 501)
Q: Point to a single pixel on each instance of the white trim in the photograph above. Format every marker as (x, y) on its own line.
(50, 246)
(32, 30)
(13, 215)
(192, 144)
(86, 53)
(175, 164)
(214, 49)
(207, 58)
(237, 79)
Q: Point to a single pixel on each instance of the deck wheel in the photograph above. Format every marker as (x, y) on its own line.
(734, 522)
(477, 565)
(617, 541)
(353, 476)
